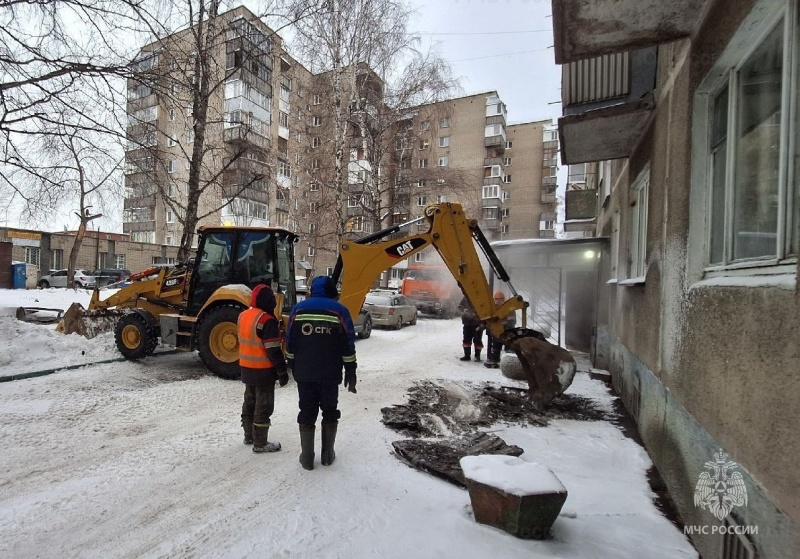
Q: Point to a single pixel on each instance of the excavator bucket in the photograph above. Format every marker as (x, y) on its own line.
(548, 368)
(78, 321)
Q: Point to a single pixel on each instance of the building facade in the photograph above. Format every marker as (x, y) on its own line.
(691, 115)
(270, 138)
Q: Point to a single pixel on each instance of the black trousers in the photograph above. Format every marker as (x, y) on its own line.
(495, 347)
(315, 396)
(473, 335)
(259, 403)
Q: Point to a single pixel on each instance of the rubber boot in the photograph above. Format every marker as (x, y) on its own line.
(260, 443)
(478, 355)
(247, 425)
(328, 438)
(307, 446)
(466, 355)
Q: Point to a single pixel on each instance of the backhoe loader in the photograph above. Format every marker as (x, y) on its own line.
(196, 308)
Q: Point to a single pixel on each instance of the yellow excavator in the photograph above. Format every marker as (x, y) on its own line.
(195, 307)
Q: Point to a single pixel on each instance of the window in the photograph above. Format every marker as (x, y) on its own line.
(32, 255)
(57, 258)
(283, 119)
(354, 201)
(312, 227)
(419, 257)
(490, 213)
(441, 198)
(171, 115)
(424, 125)
(553, 171)
(423, 163)
(638, 229)
(505, 228)
(444, 141)
(316, 121)
(422, 183)
(507, 179)
(424, 144)
(315, 163)
(172, 165)
(284, 169)
(316, 142)
(171, 141)
(507, 161)
(506, 212)
(506, 195)
(170, 190)
(170, 217)
(491, 191)
(752, 193)
(547, 221)
(119, 261)
(422, 201)
(550, 135)
(509, 145)
(313, 207)
(443, 161)
(311, 251)
(317, 99)
(168, 240)
(444, 122)
(314, 186)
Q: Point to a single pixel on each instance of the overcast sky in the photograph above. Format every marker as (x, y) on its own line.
(501, 45)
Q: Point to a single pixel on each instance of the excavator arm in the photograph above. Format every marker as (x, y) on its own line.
(548, 368)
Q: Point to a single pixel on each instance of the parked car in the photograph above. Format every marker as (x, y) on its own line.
(106, 276)
(390, 310)
(362, 324)
(58, 278)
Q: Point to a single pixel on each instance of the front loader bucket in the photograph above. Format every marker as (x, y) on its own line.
(548, 368)
(77, 321)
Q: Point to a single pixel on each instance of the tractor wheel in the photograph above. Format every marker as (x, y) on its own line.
(218, 341)
(136, 334)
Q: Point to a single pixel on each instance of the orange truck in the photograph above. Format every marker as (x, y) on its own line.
(432, 288)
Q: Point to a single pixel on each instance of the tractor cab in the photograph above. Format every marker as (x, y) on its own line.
(245, 256)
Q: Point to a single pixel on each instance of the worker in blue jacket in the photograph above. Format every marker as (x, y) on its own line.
(320, 341)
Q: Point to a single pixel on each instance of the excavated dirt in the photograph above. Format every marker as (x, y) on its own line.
(451, 414)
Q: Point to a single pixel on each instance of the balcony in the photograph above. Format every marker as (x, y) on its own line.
(488, 181)
(136, 226)
(552, 162)
(548, 197)
(607, 103)
(547, 234)
(493, 202)
(581, 204)
(491, 161)
(585, 29)
(148, 201)
(495, 139)
(245, 134)
(490, 224)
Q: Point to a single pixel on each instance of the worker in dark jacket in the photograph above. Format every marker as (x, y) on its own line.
(320, 341)
(472, 331)
(262, 364)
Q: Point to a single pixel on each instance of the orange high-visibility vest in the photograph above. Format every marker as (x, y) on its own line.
(252, 353)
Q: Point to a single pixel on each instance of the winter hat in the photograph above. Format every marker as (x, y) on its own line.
(264, 298)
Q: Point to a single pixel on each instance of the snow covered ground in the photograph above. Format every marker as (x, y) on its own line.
(128, 459)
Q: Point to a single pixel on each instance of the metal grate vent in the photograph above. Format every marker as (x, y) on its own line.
(735, 546)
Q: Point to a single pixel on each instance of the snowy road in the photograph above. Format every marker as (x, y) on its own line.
(146, 460)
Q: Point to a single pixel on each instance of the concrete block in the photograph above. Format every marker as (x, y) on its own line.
(601, 375)
(518, 497)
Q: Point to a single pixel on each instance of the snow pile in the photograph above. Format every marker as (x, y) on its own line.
(45, 348)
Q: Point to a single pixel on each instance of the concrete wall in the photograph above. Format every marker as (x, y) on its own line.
(712, 364)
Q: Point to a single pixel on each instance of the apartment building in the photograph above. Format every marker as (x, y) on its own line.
(689, 113)
(250, 137)
(268, 155)
(463, 150)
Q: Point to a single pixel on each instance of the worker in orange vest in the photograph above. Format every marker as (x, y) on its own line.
(262, 364)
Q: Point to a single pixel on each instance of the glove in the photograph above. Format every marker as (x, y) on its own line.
(350, 377)
(283, 377)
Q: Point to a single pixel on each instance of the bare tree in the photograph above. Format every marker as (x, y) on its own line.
(53, 57)
(370, 78)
